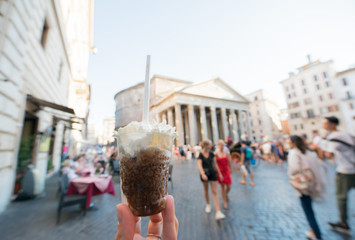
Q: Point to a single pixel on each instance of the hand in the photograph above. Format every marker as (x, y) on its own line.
(220, 177)
(129, 226)
(204, 177)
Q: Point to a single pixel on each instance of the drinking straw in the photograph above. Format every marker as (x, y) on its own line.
(146, 93)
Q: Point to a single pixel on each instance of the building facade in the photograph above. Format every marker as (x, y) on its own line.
(40, 82)
(345, 87)
(284, 122)
(265, 116)
(109, 127)
(311, 95)
(206, 110)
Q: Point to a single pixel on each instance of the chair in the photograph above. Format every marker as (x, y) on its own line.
(170, 173)
(65, 201)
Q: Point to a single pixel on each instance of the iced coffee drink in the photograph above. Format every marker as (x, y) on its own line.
(144, 155)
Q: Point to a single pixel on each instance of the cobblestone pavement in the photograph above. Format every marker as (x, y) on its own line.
(270, 210)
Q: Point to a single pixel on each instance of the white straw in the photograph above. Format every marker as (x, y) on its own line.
(146, 93)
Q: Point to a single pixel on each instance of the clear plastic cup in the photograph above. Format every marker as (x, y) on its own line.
(144, 162)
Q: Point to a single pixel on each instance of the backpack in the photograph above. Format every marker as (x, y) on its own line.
(248, 153)
(352, 146)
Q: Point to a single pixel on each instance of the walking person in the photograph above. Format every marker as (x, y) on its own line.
(245, 157)
(340, 145)
(300, 161)
(266, 148)
(225, 166)
(208, 168)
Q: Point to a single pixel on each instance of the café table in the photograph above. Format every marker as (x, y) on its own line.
(87, 171)
(91, 186)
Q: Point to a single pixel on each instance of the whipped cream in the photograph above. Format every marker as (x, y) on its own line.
(139, 135)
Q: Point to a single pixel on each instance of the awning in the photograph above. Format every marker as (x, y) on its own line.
(40, 102)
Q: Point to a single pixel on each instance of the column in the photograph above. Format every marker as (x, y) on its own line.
(163, 116)
(203, 123)
(157, 117)
(250, 132)
(187, 128)
(192, 125)
(170, 117)
(234, 125)
(214, 124)
(179, 126)
(224, 122)
(241, 124)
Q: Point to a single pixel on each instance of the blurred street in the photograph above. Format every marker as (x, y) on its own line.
(270, 210)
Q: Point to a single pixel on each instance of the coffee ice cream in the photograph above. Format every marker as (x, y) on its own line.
(144, 155)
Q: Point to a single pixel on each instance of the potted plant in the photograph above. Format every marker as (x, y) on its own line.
(50, 165)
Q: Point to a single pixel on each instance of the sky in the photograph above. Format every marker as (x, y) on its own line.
(250, 45)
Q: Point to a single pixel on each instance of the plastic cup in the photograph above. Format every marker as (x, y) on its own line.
(144, 163)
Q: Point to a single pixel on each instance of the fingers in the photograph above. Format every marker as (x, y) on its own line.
(170, 222)
(155, 226)
(128, 224)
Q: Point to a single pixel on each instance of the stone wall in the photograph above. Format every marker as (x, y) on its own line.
(29, 67)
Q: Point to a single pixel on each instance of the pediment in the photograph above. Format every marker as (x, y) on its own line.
(215, 88)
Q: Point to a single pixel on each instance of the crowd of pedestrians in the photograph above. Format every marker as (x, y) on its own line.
(305, 162)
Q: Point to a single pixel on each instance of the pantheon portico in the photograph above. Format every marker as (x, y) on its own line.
(205, 110)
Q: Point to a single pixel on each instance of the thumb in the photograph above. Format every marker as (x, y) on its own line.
(170, 222)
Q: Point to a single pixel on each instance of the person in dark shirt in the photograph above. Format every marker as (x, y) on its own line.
(208, 168)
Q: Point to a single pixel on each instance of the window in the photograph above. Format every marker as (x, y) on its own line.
(351, 106)
(289, 96)
(286, 89)
(315, 77)
(261, 131)
(327, 84)
(320, 98)
(301, 126)
(305, 90)
(293, 105)
(323, 110)
(295, 127)
(293, 86)
(318, 87)
(325, 75)
(45, 30)
(345, 81)
(256, 98)
(303, 82)
(348, 94)
(307, 101)
(259, 122)
(295, 115)
(294, 94)
(333, 108)
(257, 112)
(310, 113)
(330, 96)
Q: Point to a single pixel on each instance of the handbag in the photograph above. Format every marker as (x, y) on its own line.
(304, 180)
